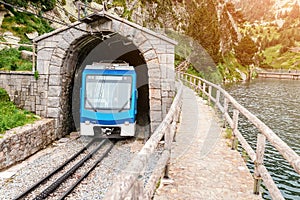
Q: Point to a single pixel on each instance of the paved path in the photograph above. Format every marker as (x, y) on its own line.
(202, 164)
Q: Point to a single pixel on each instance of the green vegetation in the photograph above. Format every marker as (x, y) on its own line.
(10, 59)
(230, 67)
(245, 155)
(44, 5)
(278, 44)
(228, 133)
(21, 23)
(287, 60)
(36, 75)
(10, 115)
(204, 28)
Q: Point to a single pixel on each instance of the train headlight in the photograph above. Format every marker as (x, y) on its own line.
(87, 122)
(126, 123)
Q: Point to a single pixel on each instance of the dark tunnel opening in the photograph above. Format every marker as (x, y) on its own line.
(110, 47)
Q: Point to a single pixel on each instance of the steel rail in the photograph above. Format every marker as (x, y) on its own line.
(46, 192)
(88, 171)
(59, 168)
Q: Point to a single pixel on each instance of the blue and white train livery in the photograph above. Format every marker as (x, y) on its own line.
(108, 100)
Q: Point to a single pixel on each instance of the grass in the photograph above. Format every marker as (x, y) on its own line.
(272, 53)
(288, 60)
(21, 23)
(10, 59)
(10, 115)
(274, 40)
(228, 133)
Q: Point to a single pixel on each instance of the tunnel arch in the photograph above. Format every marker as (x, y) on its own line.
(62, 53)
(96, 50)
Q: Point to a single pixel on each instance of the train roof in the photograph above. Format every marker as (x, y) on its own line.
(110, 66)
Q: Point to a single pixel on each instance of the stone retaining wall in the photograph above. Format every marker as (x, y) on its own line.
(24, 90)
(21, 142)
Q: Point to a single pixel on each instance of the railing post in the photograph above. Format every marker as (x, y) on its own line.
(204, 89)
(234, 129)
(194, 83)
(260, 151)
(209, 94)
(169, 136)
(199, 87)
(217, 98)
(137, 190)
(225, 111)
(191, 81)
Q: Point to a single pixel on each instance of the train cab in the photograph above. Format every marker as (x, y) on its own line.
(108, 100)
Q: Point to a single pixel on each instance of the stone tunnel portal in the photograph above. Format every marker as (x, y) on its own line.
(108, 46)
(63, 53)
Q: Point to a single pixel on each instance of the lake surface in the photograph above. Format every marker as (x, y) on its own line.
(276, 103)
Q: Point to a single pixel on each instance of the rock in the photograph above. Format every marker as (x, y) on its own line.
(63, 140)
(173, 191)
(243, 75)
(33, 35)
(74, 135)
(119, 10)
(10, 38)
(167, 181)
(3, 46)
(2, 14)
(6, 174)
(96, 6)
(26, 55)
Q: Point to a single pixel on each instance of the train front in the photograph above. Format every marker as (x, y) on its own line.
(108, 100)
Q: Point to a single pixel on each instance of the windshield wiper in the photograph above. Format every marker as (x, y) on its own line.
(122, 108)
(92, 106)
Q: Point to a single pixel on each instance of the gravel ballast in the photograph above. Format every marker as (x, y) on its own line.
(92, 187)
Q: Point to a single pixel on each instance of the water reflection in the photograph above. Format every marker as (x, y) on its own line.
(276, 103)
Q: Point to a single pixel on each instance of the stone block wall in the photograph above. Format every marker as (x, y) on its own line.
(21, 142)
(25, 91)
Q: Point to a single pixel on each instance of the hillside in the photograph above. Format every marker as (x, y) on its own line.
(222, 40)
(275, 29)
(210, 24)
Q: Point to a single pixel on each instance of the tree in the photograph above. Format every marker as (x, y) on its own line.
(203, 26)
(245, 53)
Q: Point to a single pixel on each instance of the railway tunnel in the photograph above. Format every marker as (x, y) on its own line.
(63, 54)
(110, 47)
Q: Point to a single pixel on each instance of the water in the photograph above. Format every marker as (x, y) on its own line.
(277, 104)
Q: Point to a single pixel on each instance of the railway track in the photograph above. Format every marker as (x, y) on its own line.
(65, 171)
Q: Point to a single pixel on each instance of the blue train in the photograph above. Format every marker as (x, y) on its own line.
(108, 100)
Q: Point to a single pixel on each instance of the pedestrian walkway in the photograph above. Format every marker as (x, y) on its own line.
(203, 166)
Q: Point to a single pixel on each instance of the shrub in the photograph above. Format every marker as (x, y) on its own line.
(21, 23)
(10, 59)
(10, 115)
(25, 48)
(45, 5)
(3, 95)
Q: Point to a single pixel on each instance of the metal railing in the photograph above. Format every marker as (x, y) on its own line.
(215, 94)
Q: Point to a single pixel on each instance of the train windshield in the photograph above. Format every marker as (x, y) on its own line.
(108, 93)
